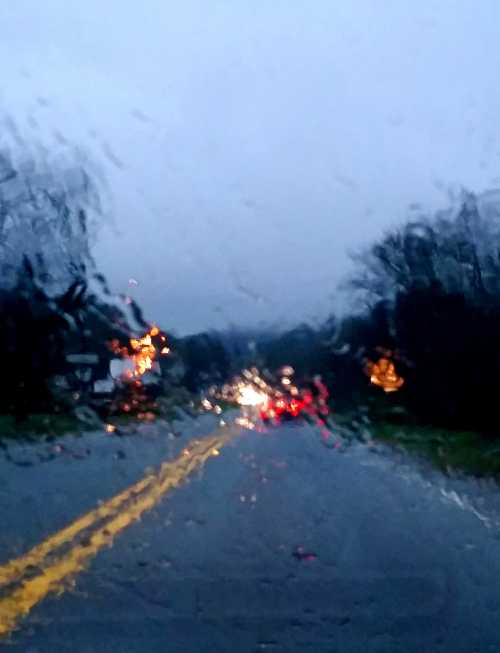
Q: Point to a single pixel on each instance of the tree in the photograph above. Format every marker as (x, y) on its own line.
(48, 212)
(459, 248)
(53, 302)
(439, 282)
(205, 360)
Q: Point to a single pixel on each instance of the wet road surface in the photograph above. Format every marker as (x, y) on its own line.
(271, 542)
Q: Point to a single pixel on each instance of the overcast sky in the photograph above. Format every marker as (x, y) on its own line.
(248, 145)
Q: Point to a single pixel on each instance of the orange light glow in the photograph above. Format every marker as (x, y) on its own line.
(144, 351)
(383, 374)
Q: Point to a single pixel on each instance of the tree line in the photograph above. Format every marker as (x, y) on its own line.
(429, 298)
(427, 291)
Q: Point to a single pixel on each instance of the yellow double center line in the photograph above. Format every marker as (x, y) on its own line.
(60, 557)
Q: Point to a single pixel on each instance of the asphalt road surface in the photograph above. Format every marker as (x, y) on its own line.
(202, 539)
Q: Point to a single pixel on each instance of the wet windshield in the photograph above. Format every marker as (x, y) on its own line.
(249, 326)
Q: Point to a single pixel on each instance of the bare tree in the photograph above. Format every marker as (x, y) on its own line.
(458, 248)
(47, 214)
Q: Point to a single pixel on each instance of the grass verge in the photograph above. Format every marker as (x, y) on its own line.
(463, 451)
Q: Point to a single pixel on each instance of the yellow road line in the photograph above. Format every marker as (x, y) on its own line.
(13, 569)
(54, 574)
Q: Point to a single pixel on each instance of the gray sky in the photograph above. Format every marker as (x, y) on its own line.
(248, 145)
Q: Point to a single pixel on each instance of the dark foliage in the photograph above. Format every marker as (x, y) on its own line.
(204, 361)
(433, 295)
(53, 303)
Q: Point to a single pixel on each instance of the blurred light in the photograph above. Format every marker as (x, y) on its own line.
(249, 396)
(383, 374)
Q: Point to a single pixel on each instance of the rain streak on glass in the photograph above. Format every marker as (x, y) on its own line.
(249, 327)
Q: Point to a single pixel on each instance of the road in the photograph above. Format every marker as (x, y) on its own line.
(197, 539)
